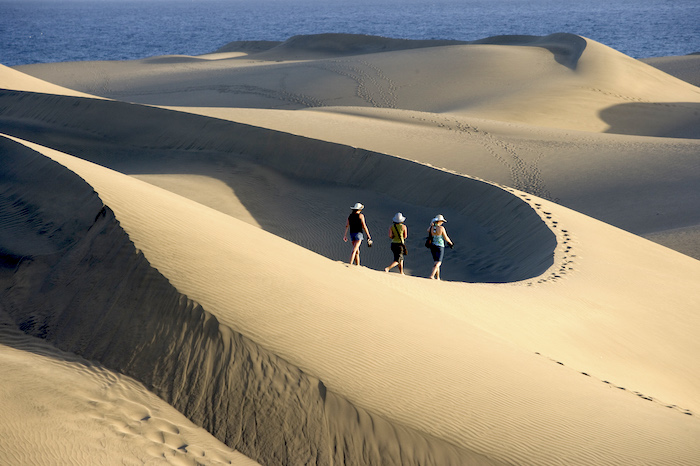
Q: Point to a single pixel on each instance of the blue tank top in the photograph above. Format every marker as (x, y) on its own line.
(438, 240)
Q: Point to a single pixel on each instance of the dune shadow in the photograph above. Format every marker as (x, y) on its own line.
(313, 46)
(656, 119)
(566, 48)
(299, 188)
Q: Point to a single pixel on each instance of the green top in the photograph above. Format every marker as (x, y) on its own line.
(397, 238)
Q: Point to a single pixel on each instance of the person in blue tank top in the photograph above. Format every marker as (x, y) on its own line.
(438, 234)
(356, 225)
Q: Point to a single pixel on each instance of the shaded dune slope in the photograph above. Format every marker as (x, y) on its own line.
(316, 46)
(237, 390)
(515, 243)
(566, 48)
(97, 416)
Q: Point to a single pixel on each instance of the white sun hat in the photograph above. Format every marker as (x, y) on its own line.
(399, 218)
(357, 206)
(439, 218)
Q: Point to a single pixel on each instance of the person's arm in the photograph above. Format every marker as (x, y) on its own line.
(447, 238)
(405, 232)
(345, 235)
(364, 226)
(391, 232)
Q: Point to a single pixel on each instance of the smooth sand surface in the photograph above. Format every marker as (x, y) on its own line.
(195, 251)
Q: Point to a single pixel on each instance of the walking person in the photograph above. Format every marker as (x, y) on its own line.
(357, 226)
(398, 233)
(438, 237)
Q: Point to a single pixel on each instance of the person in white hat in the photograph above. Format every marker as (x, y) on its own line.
(438, 236)
(356, 225)
(398, 234)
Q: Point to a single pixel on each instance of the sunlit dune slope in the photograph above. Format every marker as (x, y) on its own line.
(12, 79)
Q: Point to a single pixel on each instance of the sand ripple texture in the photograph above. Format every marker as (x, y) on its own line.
(93, 293)
(553, 338)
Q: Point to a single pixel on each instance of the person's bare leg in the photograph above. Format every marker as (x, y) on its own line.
(392, 265)
(436, 271)
(355, 256)
(401, 267)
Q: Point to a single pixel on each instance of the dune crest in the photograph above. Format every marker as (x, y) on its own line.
(13, 79)
(567, 48)
(340, 45)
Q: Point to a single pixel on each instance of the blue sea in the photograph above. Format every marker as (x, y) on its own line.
(41, 31)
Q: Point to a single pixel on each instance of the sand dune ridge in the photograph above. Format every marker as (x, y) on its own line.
(566, 48)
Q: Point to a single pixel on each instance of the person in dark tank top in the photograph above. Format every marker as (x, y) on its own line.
(357, 227)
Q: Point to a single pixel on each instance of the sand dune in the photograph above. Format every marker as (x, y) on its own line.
(468, 108)
(198, 251)
(516, 79)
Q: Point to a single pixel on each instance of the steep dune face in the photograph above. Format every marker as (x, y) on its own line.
(40, 222)
(566, 48)
(59, 408)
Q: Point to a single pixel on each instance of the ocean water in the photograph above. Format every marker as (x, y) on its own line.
(42, 31)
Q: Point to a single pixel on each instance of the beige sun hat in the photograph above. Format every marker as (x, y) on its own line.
(439, 218)
(399, 218)
(357, 206)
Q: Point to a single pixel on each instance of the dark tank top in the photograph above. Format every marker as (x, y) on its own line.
(355, 222)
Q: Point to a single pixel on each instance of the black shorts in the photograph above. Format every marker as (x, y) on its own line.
(397, 249)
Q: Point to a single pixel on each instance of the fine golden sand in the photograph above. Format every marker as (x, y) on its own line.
(174, 286)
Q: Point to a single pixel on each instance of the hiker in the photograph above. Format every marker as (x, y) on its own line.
(356, 224)
(437, 235)
(398, 233)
